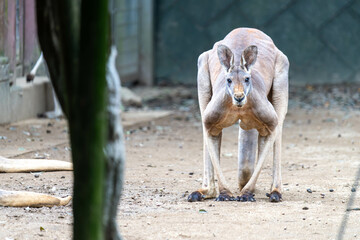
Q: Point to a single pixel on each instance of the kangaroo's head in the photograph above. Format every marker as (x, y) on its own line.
(237, 78)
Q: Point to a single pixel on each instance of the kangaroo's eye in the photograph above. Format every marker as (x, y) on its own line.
(229, 80)
(247, 79)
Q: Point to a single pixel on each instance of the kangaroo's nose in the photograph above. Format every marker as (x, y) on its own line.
(239, 96)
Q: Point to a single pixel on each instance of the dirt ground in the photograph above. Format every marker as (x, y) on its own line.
(321, 150)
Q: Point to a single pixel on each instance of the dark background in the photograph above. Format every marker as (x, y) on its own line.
(321, 38)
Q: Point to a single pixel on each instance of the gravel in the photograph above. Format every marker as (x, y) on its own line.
(341, 96)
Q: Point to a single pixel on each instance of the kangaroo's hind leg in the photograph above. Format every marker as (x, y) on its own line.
(208, 189)
(276, 109)
(280, 102)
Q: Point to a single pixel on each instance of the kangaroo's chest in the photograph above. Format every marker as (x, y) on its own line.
(252, 122)
(248, 120)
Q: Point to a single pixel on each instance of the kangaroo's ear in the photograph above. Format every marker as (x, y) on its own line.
(226, 57)
(248, 57)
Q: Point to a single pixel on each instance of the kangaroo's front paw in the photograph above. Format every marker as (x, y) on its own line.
(196, 197)
(275, 196)
(225, 196)
(246, 197)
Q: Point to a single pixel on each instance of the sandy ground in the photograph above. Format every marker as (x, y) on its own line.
(321, 152)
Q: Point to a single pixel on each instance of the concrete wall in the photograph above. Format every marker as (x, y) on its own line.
(321, 38)
(5, 114)
(127, 37)
(24, 100)
(4, 90)
(134, 37)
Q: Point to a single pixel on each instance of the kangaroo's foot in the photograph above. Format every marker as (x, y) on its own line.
(225, 195)
(246, 197)
(196, 196)
(202, 194)
(274, 196)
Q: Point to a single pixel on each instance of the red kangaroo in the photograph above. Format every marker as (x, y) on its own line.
(243, 78)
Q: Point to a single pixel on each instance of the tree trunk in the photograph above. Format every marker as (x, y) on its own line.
(74, 38)
(115, 151)
(115, 148)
